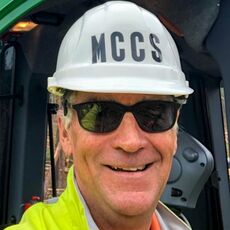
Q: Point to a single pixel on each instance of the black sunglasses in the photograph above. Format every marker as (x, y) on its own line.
(106, 116)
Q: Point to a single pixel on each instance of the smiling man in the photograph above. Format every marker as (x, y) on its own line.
(119, 74)
(122, 160)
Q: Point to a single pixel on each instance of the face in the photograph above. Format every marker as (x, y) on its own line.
(123, 172)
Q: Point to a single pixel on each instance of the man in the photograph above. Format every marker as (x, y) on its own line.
(119, 73)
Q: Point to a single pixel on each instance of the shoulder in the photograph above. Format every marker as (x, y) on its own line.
(44, 216)
(65, 212)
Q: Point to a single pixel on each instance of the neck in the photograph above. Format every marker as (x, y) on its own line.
(113, 220)
(117, 222)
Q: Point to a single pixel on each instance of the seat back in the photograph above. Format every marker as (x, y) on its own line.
(192, 165)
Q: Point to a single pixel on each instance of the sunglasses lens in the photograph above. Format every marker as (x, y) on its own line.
(156, 116)
(102, 117)
(99, 117)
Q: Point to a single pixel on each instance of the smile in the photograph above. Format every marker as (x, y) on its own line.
(129, 169)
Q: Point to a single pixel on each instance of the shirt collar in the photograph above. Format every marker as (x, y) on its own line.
(91, 223)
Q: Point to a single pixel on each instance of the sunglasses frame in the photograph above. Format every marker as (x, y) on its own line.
(124, 109)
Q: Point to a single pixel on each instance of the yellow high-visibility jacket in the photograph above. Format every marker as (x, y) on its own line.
(67, 213)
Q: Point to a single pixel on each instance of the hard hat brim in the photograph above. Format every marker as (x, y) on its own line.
(115, 78)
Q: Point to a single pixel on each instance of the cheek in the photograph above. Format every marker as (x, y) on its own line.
(82, 160)
(83, 142)
(86, 152)
(167, 143)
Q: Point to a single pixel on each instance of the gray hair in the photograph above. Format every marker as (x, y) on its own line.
(68, 113)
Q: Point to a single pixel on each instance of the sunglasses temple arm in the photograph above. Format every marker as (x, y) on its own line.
(65, 107)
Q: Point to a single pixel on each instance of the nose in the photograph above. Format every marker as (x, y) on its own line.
(129, 137)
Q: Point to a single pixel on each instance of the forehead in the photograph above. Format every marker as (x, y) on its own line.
(125, 98)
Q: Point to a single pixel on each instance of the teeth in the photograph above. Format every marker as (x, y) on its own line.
(129, 169)
(133, 169)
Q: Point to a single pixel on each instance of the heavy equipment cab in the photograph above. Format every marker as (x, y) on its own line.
(30, 35)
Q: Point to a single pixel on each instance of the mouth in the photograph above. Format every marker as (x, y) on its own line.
(130, 169)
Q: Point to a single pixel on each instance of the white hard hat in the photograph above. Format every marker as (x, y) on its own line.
(119, 47)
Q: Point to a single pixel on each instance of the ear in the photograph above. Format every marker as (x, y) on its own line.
(64, 137)
(175, 146)
(176, 127)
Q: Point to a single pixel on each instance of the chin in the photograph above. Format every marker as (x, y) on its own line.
(133, 204)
